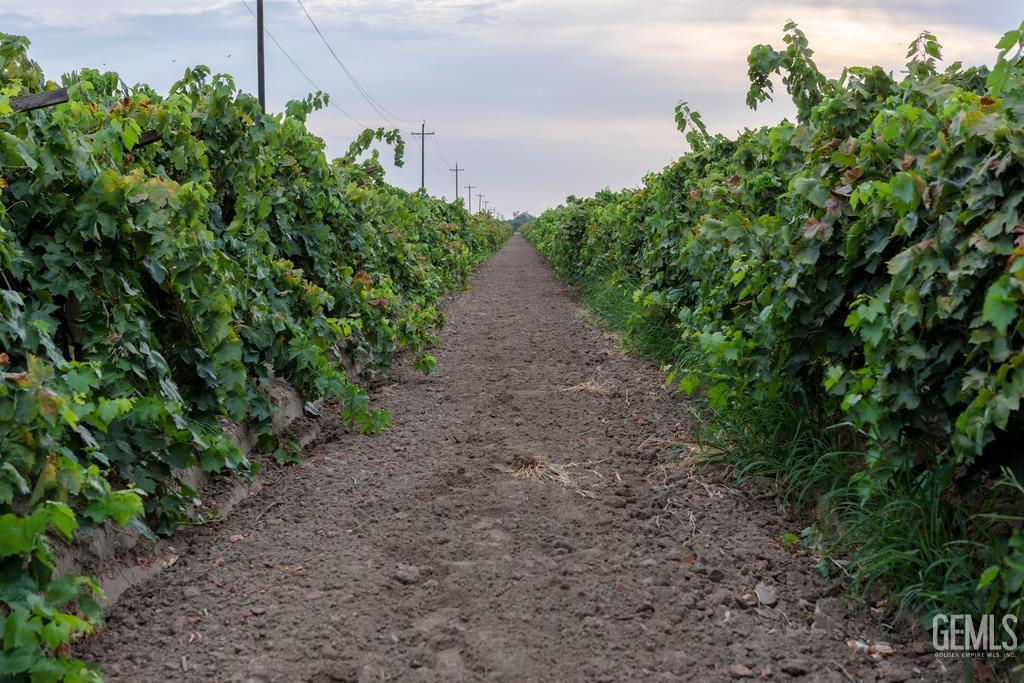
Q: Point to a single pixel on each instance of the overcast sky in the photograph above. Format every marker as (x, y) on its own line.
(537, 99)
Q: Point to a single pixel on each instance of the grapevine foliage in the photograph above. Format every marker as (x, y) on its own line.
(150, 294)
(867, 256)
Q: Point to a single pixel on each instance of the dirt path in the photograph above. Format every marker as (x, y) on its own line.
(418, 556)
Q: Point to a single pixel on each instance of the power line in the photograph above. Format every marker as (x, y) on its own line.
(434, 166)
(377, 106)
(298, 68)
(436, 152)
(387, 115)
(440, 151)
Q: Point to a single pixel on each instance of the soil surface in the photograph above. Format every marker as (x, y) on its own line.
(531, 515)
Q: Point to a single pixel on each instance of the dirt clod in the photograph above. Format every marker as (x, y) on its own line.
(766, 595)
(795, 668)
(747, 600)
(407, 574)
(741, 671)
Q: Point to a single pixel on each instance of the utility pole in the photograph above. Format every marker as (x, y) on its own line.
(456, 169)
(469, 195)
(480, 201)
(259, 56)
(423, 154)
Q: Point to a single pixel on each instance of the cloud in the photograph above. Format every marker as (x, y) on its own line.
(536, 98)
(106, 14)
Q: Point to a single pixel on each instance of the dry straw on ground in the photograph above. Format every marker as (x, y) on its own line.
(529, 464)
(589, 387)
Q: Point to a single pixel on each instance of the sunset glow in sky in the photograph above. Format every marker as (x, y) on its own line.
(537, 99)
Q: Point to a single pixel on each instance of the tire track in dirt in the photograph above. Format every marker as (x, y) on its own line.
(417, 555)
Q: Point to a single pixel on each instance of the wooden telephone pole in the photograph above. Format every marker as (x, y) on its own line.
(423, 154)
(259, 56)
(456, 169)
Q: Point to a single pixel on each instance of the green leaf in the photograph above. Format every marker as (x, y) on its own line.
(13, 477)
(901, 261)
(21, 629)
(425, 363)
(19, 535)
(109, 410)
(832, 376)
(124, 506)
(688, 383)
(998, 76)
(62, 590)
(812, 190)
(156, 270)
(15, 661)
(62, 519)
(988, 576)
(904, 191)
(1000, 308)
(121, 506)
(844, 159)
(130, 132)
(56, 633)
(1008, 40)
